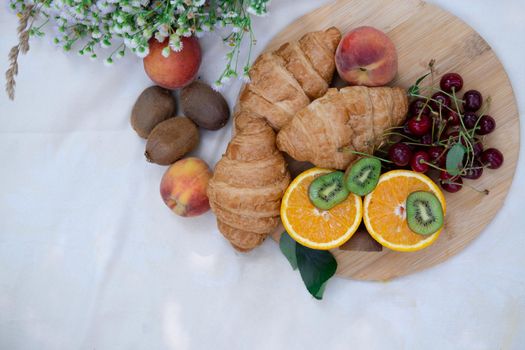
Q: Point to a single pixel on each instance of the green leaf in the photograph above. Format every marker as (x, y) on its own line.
(455, 159)
(287, 245)
(319, 294)
(414, 89)
(316, 267)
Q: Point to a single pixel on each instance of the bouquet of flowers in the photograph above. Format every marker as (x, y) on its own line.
(87, 26)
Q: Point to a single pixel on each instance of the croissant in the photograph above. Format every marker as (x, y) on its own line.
(353, 118)
(286, 80)
(248, 183)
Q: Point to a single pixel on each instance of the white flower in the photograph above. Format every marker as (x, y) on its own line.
(96, 34)
(140, 21)
(236, 29)
(217, 86)
(177, 46)
(117, 28)
(163, 30)
(142, 51)
(160, 37)
(127, 29)
(230, 14)
(166, 52)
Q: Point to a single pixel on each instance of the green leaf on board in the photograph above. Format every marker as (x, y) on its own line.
(316, 267)
(455, 159)
(287, 245)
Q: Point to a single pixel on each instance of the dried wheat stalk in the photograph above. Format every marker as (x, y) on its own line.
(22, 47)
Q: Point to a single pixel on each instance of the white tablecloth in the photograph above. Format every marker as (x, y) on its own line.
(90, 257)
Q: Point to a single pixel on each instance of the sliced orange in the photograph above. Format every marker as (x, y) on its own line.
(385, 213)
(316, 228)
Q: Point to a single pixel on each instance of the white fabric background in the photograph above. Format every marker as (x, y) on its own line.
(90, 258)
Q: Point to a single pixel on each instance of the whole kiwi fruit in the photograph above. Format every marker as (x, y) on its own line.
(154, 105)
(205, 106)
(170, 140)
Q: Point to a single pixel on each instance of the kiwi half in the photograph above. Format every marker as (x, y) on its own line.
(328, 190)
(362, 177)
(424, 213)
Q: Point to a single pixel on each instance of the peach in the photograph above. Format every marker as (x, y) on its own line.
(183, 187)
(178, 69)
(366, 56)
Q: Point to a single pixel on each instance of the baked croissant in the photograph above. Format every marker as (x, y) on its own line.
(286, 80)
(248, 183)
(351, 119)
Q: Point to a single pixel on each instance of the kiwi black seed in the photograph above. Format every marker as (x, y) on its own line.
(362, 176)
(424, 213)
(328, 190)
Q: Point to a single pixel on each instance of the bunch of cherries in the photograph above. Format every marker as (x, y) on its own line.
(436, 123)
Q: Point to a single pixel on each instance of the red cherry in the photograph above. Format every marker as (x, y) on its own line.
(440, 101)
(477, 148)
(427, 139)
(475, 172)
(473, 100)
(453, 118)
(492, 158)
(406, 131)
(420, 126)
(450, 183)
(417, 106)
(419, 162)
(437, 155)
(470, 119)
(400, 154)
(451, 81)
(486, 125)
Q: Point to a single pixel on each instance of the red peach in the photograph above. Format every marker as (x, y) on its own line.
(366, 56)
(178, 69)
(183, 187)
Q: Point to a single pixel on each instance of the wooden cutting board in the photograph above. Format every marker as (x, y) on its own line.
(422, 32)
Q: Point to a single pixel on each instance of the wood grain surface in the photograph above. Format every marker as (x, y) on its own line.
(422, 32)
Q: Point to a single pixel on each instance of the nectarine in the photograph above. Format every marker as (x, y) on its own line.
(178, 69)
(366, 56)
(183, 187)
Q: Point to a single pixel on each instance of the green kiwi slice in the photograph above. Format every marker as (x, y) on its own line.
(328, 190)
(363, 175)
(424, 213)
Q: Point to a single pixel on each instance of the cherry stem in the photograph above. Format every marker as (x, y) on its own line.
(422, 161)
(400, 134)
(371, 156)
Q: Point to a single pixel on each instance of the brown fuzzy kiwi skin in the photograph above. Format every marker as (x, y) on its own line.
(170, 140)
(154, 105)
(205, 106)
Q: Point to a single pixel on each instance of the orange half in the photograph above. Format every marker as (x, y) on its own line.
(313, 227)
(385, 212)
